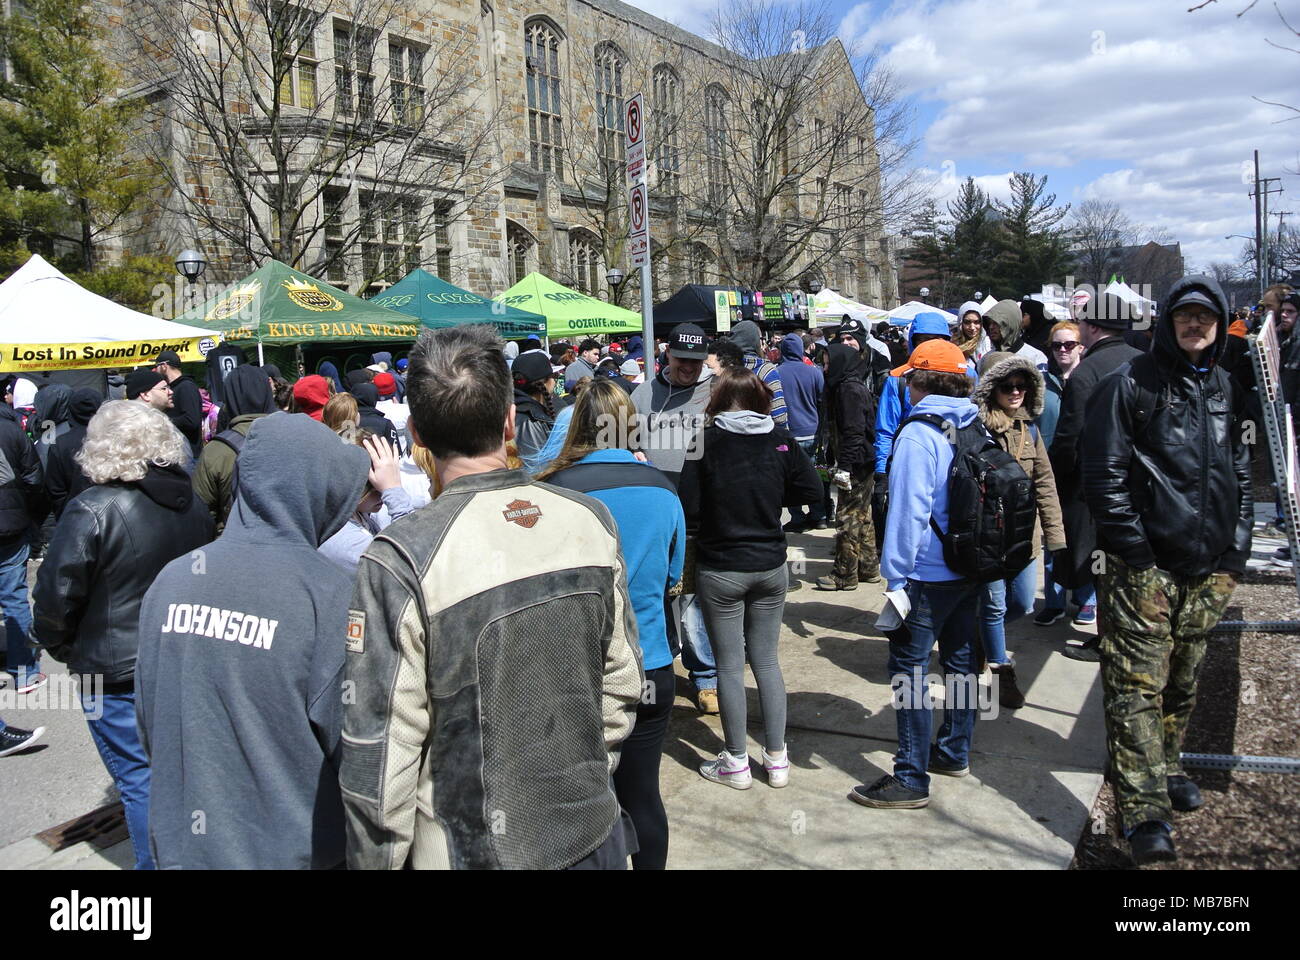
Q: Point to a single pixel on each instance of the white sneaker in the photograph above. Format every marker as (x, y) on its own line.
(777, 767)
(733, 771)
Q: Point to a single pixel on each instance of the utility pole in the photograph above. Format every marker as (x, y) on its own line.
(1261, 193)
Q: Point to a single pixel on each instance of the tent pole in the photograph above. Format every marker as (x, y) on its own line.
(260, 361)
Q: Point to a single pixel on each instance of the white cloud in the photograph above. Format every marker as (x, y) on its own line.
(1159, 96)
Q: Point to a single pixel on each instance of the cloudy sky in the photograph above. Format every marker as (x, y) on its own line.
(1136, 101)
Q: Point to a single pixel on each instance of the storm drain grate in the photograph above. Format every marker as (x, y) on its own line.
(103, 828)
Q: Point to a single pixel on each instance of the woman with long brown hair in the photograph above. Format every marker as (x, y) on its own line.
(597, 460)
(742, 470)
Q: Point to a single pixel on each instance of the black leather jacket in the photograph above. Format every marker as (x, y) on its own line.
(110, 543)
(1170, 488)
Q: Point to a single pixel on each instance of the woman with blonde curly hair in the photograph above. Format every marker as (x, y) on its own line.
(110, 543)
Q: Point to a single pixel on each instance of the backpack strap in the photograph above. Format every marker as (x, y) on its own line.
(233, 439)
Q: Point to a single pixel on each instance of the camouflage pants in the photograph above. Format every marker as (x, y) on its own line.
(855, 544)
(1153, 627)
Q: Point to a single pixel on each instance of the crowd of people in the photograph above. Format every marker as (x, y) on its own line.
(426, 616)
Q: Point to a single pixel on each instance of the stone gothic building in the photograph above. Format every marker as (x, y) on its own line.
(522, 168)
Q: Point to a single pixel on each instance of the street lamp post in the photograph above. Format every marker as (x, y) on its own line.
(190, 264)
(925, 292)
(615, 277)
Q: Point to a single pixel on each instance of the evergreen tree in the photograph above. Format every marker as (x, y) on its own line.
(974, 239)
(65, 178)
(931, 257)
(1033, 247)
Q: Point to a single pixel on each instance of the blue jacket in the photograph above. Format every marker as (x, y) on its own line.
(651, 529)
(918, 490)
(895, 403)
(1051, 405)
(802, 385)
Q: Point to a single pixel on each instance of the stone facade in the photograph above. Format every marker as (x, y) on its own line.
(505, 214)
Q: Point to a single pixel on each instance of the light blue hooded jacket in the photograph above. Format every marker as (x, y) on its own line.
(918, 490)
(895, 405)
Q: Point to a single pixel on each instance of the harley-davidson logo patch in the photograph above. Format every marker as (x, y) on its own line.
(523, 513)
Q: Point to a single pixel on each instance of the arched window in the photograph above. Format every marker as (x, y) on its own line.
(609, 110)
(519, 251)
(659, 270)
(704, 264)
(487, 28)
(542, 61)
(715, 142)
(665, 116)
(584, 262)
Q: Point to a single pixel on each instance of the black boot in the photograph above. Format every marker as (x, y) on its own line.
(1151, 843)
(1184, 795)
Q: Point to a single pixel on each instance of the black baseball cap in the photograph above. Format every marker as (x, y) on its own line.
(1197, 296)
(531, 368)
(170, 357)
(687, 342)
(142, 381)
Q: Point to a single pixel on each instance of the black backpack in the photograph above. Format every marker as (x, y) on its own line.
(991, 506)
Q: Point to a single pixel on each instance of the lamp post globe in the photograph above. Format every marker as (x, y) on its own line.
(190, 264)
(925, 292)
(815, 286)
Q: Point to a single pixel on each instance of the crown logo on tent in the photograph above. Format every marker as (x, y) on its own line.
(234, 302)
(311, 297)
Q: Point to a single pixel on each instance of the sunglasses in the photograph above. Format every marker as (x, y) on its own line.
(1015, 386)
(1066, 345)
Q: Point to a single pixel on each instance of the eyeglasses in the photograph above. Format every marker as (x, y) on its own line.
(1015, 386)
(1066, 345)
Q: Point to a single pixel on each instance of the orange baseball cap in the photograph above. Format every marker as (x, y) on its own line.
(942, 356)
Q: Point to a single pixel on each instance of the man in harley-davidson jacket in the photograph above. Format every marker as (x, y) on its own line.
(1167, 479)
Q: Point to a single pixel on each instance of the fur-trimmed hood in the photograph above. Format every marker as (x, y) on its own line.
(997, 367)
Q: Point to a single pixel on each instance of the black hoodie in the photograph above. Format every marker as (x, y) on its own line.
(852, 408)
(367, 395)
(64, 478)
(247, 390)
(1165, 472)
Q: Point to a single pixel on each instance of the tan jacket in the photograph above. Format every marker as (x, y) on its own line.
(1014, 435)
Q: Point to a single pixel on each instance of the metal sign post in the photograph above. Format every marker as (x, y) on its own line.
(638, 210)
(1266, 356)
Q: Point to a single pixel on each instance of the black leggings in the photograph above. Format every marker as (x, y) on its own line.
(636, 781)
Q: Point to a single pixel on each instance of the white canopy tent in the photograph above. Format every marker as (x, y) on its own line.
(1123, 291)
(900, 316)
(830, 307)
(48, 322)
(987, 303)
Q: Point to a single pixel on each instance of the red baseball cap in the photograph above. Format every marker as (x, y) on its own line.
(385, 384)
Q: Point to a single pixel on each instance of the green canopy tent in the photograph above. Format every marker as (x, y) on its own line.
(568, 313)
(279, 305)
(436, 303)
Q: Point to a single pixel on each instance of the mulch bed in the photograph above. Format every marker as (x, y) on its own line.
(1246, 704)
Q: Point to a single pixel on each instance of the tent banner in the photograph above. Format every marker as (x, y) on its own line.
(321, 329)
(39, 357)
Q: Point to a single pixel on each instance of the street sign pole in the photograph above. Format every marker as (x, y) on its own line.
(638, 240)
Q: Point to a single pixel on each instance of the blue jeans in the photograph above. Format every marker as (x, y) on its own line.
(942, 612)
(696, 650)
(1055, 593)
(816, 512)
(118, 741)
(23, 662)
(1002, 602)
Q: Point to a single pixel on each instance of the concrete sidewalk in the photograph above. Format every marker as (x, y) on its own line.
(1035, 772)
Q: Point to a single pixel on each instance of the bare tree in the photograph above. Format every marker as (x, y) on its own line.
(805, 147)
(1099, 230)
(289, 134)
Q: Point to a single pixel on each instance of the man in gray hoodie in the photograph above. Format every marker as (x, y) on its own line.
(670, 412)
(239, 681)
